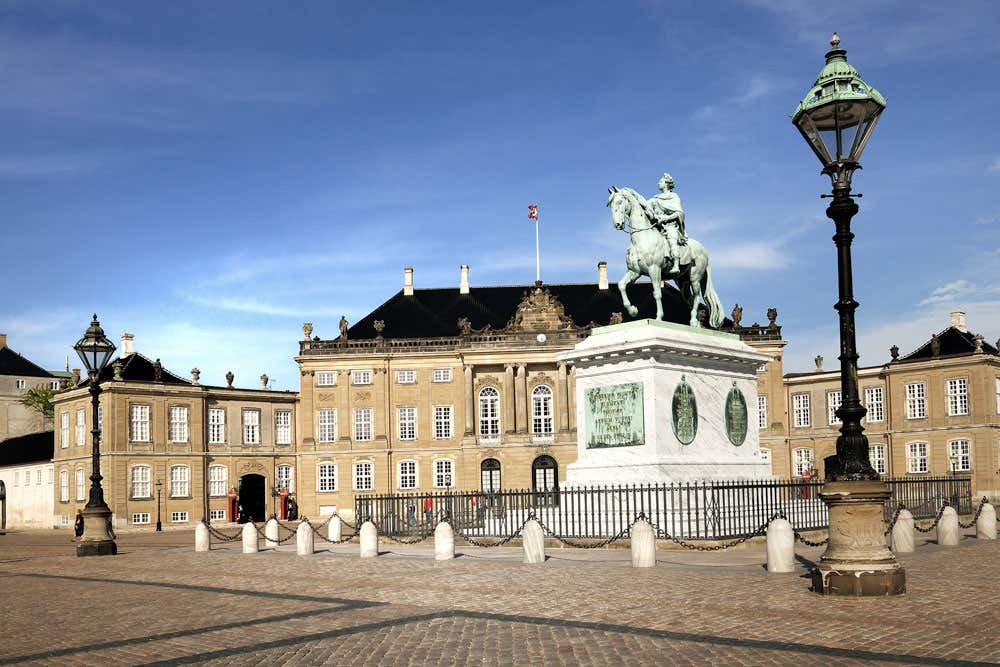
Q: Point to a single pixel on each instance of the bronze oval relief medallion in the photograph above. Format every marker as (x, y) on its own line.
(684, 413)
(736, 416)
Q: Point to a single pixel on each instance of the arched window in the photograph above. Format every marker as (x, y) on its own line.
(326, 477)
(80, 493)
(218, 480)
(180, 481)
(140, 481)
(545, 480)
(489, 413)
(286, 480)
(64, 486)
(489, 472)
(541, 411)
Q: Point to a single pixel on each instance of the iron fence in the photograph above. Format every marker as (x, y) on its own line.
(709, 510)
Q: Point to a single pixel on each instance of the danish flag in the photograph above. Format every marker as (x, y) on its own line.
(532, 211)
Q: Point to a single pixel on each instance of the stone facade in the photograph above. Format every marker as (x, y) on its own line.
(17, 376)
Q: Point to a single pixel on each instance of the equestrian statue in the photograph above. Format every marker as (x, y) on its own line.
(661, 249)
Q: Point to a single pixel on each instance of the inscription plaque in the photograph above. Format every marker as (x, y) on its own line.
(614, 416)
(736, 416)
(684, 413)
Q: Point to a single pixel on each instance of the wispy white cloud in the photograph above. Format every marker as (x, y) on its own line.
(49, 165)
(959, 290)
(995, 166)
(985, 220)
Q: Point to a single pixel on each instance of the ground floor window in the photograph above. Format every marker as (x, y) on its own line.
(216, 515)
(959, 456)
(545, 480)
(876, 456)
(178, 517)
(916, 457)
(489, 471)
(364, 476)
(407, 474)
(444, 473)
(802, 461)
(140, 517)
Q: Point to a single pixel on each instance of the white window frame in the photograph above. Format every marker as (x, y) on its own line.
(916, 400)
(81, 484)
(178, 426)
(875, 403)
(17, 478)
(251, 428)
(282, 427)
(178, 517)
(803, 458)
(216, 426)
(877, 457)
(997, 381)
(63, 485)
(762, 411)
(364, 424)
(960, 449)
(218, 480)
(180, 481)
(802, 410)
(957, 391)
(326, 477)
(140, 518)
(326, 425)
(361, 377)
(489, 414)
(444, 473)
(406, 422)
(64, 429)
(81, 427)
(357, 468)
(216, 515)
(765, 455)
(833, 400)
(54, 385)
(917, 457)
(441, 375)
(139, 418)
(20, 384)
(284, 474)
(542, 411)
(326, 378)
(406, 377)
(444, 416)
(407, 475)
(139, 485)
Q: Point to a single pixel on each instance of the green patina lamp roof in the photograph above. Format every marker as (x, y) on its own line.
(828, 87)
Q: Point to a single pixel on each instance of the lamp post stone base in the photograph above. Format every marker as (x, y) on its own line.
(857, 561)
(96, 541)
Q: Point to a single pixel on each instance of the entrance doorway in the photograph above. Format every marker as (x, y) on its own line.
(251, 494)
(3, 506)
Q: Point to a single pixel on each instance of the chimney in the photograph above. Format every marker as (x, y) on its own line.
(958, 320)
(602, 275)
(463, 287)
(128, 344)
(263, 381)
(3, 340)
(408, 281)
(75, 379)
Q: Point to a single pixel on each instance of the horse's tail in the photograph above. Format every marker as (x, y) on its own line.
(714, 305)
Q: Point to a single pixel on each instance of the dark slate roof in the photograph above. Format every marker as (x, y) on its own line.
(953, 343)
(434, 312)
(12, 363)
(30, 448)
(137, 368)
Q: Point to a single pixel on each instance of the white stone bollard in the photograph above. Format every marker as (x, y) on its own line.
(533, 540)
(444, 542)
(333, 529)
(903, 533)
(305, 538)
(202, 538)
(780, 546)
(947, 528)
(643, 544)
(271, 533)
(986, 524)
(249, 538)
(369, 540)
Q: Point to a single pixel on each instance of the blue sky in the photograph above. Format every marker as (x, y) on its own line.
(235, 169)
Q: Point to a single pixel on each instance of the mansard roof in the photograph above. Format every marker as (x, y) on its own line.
(30, 448)
(435, 312)
(137, 368)
(12, 363)
(952, 342)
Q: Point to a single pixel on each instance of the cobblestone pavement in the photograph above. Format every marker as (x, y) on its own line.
(158, 602)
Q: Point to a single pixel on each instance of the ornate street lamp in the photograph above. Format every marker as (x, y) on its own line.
(95, 350)
(836, 118)
(159, 524)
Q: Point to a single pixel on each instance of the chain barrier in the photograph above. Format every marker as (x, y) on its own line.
(219, 535)
(719, 547)
(895, 518)
(280, 540)
(498, 543)
(979, 510)
(936, 519)
(808, 543)
(587, 545)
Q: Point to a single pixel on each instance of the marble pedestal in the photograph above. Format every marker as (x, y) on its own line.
(96, 541)
(636, 385)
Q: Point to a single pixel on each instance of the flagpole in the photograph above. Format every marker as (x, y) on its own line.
(538, 263)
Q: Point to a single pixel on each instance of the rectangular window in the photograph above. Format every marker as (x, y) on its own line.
(916, 457)
(761, 411)
(217, 480)
(178, 427)
(20, 384)
(285, 480)
(216, 515)
(998, 395)
(765, 455)
(442, 375)
(54, 385)
(364, 476)
(363, 424)
(81, 492)
(81, 427)
(63, 484)
(326, 427)
(833, 400)
(139, 423)
(64, 430)
(406, 377)
(326, 378)
(216, 426)
(139, 518)
(38, 477)
(875, 402)
(958, 397)
(283, 427)
(361, 377)
(48, 476)
(251, 427)
(178, 517)
(442, 422)
(800, 407)
(17, 478)
(407, 475)
(916, 400)
(444, 477)
(180, 482)
(802, 459)
(406, 420)
(140, 482)
(959, 456)
(876, 455)
(326, 477)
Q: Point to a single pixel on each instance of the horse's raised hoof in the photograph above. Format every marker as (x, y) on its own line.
(632, 310)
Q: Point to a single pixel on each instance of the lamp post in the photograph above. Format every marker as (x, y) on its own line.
(159, 487)
(95, 351)
(837, 118)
